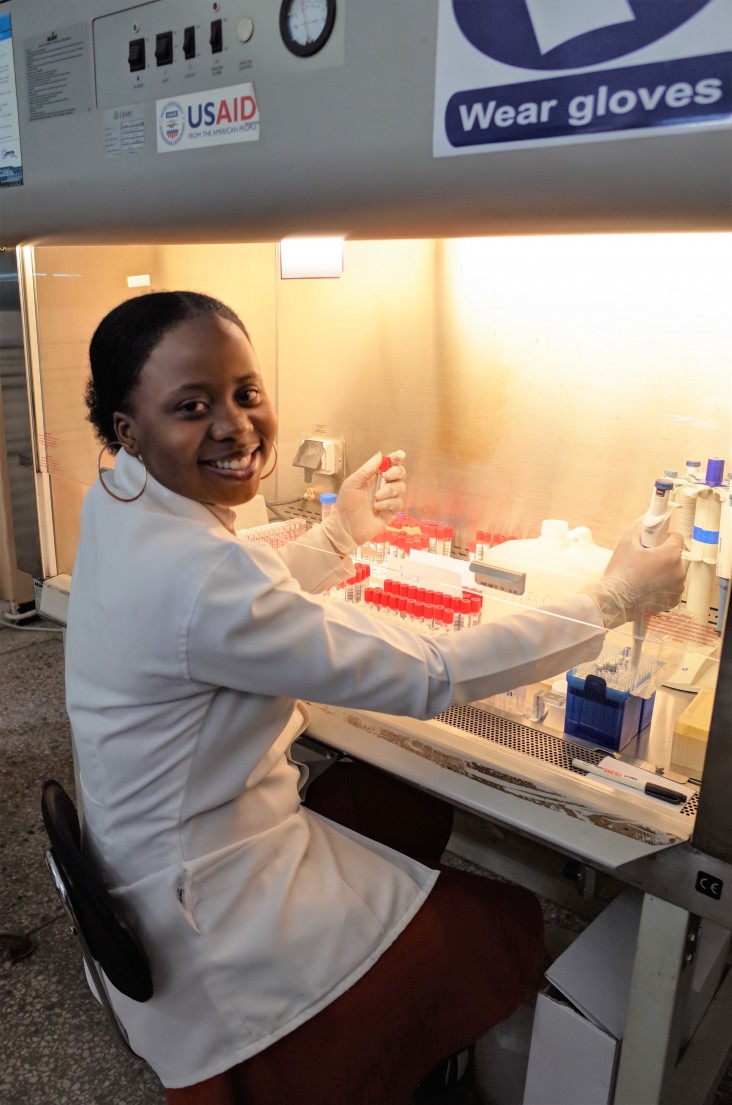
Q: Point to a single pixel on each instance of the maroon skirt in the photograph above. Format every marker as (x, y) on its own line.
(462, 965)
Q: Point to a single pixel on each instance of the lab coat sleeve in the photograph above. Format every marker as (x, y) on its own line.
(253, 629)
(314, 563)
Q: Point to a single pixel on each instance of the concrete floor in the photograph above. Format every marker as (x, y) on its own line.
(54, 1040)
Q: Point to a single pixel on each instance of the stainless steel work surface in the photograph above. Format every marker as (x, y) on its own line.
(520, 776)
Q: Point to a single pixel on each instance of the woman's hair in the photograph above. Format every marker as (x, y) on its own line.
(124, 340)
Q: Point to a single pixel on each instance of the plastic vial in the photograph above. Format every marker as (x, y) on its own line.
(386, 463)
(327, 502)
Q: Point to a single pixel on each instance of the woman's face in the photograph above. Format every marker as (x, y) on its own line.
(200, 418)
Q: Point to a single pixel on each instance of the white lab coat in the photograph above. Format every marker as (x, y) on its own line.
(188, 652)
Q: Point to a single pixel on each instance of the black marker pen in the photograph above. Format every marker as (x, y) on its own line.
(655, 790)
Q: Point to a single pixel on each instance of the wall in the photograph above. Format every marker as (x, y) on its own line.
(526, 378)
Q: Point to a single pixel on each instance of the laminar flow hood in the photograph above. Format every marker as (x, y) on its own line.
(251, 120)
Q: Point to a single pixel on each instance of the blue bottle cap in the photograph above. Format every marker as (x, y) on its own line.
(715, 471)
(328, 497)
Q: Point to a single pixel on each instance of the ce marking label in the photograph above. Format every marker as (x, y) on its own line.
(709, 885)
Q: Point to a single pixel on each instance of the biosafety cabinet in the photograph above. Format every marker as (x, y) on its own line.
(525, 211)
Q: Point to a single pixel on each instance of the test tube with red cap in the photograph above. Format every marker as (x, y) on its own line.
(384, 466)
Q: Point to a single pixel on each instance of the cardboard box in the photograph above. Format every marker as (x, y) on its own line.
(571, 1060)
(580, 1017)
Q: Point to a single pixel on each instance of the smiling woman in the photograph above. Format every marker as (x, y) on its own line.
(199, 414)
(307, 942)
(192, 405)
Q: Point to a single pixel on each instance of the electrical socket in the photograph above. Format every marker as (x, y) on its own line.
(333, 457)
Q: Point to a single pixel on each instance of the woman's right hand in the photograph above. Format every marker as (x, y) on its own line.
(640, 580)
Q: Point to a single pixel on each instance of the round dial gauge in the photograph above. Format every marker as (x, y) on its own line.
(306, 25)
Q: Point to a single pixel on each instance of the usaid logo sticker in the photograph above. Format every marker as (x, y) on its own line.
(522, 72)
(172, 123)
(210, 118)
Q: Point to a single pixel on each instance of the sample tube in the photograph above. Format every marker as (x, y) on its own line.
(327, 503)
(385, 465)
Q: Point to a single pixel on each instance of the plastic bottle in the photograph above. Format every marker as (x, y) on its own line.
(556, 564)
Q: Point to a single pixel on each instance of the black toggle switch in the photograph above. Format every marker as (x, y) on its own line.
(164, 48)
(136, 55)
(189, 42)
(216, 39)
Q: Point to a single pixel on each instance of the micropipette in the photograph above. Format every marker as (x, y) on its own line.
(654, 531)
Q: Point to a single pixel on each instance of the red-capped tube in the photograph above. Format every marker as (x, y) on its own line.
(384, 466)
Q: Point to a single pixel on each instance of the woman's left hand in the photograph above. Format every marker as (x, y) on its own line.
(362, 513)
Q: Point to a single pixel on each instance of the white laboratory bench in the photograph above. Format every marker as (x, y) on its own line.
(519, 777)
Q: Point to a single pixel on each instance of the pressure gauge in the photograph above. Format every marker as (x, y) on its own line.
(306, 25)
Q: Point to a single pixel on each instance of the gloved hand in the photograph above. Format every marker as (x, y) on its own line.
(639, 580)
(359, 514)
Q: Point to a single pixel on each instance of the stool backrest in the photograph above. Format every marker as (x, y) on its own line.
(98, 920)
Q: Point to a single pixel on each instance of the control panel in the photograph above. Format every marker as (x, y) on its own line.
(172, 47)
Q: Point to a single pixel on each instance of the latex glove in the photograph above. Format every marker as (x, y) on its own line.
(639, 580)
(359, 513)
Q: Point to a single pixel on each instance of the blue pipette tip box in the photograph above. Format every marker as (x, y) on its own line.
(608, 717)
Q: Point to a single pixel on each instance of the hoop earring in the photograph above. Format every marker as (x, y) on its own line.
(266, 475)
(100, 470)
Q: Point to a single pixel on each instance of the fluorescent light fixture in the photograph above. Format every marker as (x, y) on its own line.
(302, 258)
(142, 281)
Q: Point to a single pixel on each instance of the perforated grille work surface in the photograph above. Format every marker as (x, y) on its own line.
(543, 746)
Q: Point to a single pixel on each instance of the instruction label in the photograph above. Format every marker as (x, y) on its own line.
(533, 72)
(58, 69)
(11, 166)
(124, 130)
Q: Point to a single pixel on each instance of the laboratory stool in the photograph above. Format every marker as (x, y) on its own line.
(109, 947)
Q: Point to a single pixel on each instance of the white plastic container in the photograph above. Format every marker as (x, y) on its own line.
(556, 564)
